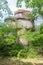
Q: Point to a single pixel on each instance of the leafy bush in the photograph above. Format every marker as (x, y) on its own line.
(8, 44)
(28, 52)
(33, 53)
(23, 52)
(41, 29)
(35, 44)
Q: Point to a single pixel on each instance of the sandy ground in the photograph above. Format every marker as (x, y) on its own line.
(13, 61)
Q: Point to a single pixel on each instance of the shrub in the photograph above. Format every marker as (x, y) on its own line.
(41, 29)
(8, 45)
(23, 52)
(33, 53)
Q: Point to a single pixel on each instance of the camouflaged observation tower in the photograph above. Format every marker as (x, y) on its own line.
(22, 21)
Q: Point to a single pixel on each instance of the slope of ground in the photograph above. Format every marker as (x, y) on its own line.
(13, 61)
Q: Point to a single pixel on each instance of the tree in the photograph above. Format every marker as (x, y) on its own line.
(37, 6)
(4, 8)
(8, 36)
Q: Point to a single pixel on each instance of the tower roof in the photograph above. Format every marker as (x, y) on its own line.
(23, 14)
(21, 11)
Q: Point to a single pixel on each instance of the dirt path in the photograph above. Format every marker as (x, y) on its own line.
(13, 61)
(33, 60)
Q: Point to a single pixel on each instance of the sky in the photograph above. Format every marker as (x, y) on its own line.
(12, 6)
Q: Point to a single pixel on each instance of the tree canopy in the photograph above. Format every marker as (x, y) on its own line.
(36, 4)
(4, 8)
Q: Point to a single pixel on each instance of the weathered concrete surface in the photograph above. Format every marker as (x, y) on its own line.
(23, 40)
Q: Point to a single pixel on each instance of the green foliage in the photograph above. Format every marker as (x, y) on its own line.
(24, 52)
(35, 44)
(34, 37)
(4, 7)
(41, 12)
(19, 3)
(41, 29)
(15, 49)
(8, 44)
(33, 53)
(1, 14)
(28, 52)
(37, 5)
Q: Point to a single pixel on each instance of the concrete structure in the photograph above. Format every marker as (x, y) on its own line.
(24, 17)
(22, 21)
